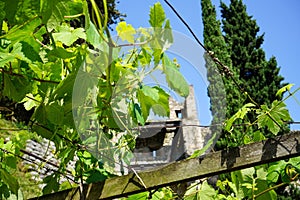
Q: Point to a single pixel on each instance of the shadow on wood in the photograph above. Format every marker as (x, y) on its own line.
(282, 147)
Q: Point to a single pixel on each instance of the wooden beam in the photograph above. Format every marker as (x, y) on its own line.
(282, 147)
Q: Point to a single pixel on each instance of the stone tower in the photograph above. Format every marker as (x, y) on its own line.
(171, 139)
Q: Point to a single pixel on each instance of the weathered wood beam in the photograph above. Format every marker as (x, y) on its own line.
(282, 147)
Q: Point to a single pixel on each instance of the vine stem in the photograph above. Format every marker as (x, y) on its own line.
(274, 187)
(73, 16)
(97, 13)
(105, 14)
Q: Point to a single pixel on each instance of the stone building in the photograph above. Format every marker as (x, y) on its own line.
(164, 141)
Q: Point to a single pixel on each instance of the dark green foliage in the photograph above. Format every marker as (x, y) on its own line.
(260, 77)
(239, 47)
(220, 86)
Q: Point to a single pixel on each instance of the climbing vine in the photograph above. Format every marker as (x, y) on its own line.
(86, 92)
(85, 87)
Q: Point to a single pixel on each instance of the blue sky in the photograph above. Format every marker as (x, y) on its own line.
(279, 20)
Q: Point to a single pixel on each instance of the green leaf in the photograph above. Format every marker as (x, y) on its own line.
(273, 118)
(52, 184)
(163, 101)
(85, 82)
(174, 78)
(239, 115)
(284, 89)
(65, 88)
(138, 114)
(148, 100)
(199, 152)
(159, 110)
(258, 136)
(11, 162)
(144, 57)
(139, 196)
(126, 31)
(59, 52)
(46, 9)
(156, 54)
(206, 192)
(157, 15)
(295, 162)
(55, 113)
(92, 35)
(151, 92)
(26, 33)
(274, 171)
(15, 87)
(68, 35)
(10, 9)
(15, 54)
(96, 176)
(30, 53)
(10, 180)
(40, 114)
(59, 10)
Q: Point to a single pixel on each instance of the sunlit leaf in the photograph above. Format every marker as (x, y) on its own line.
(92, 35)
(60, 53)
(157, 15)
(175, 79)
(69, 35)
(151, 92)
(239, 115)
(140, 196)
(206, 192)
(284, 89)
(273, 117)
(138, 114)
(126, 31)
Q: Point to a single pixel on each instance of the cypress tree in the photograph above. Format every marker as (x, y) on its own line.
(260, 77)
(220, 85)
(239, 47)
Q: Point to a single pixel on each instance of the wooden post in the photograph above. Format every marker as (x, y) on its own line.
(281, 147)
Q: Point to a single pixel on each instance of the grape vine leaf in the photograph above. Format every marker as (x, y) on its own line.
(55, 113)
(206, 192)
(174, 78)
(157, 15)
(126, 31)
(68, 35)
(15, 54)
(151, 92)
(148, 100)
(284, 89)
(92, 35)
(10, 180)
(16, 87)
(273, 117)
(240, 114)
